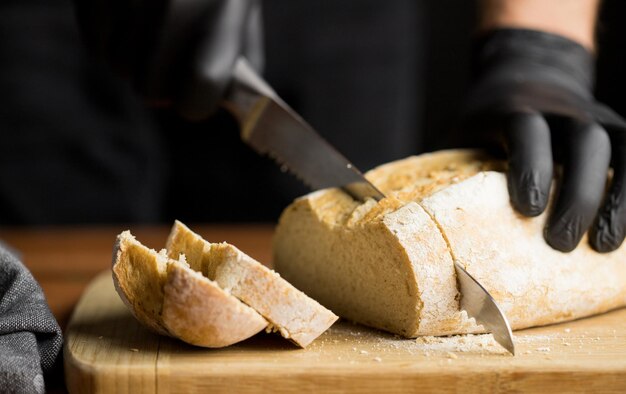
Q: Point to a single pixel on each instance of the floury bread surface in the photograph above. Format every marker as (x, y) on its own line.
(390, 264)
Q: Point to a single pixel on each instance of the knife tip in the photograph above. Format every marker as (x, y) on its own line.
(506, 341)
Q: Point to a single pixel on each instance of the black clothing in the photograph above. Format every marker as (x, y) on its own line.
(77, 145)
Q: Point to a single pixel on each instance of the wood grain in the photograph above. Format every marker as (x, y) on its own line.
(65, 259)
(106, 350)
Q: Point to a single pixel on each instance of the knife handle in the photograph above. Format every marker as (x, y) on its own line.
(246, 91)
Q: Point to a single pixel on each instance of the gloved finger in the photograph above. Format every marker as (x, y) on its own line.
(586, 156)
(219, 45)
(527, 139)
(609, 230)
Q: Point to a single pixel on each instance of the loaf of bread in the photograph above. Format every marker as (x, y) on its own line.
(211, 295)
(389, 264)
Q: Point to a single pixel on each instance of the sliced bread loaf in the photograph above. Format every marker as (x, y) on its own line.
(288, 310)
(389, 264)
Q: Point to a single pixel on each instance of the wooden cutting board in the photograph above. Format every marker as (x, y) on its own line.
(106, 350)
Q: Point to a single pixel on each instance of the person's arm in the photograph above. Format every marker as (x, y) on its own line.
(533, 71)
(572, 19)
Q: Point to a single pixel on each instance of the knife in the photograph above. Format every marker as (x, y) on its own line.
(272, 128)
(480, 305)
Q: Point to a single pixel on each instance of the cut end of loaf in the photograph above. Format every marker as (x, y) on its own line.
(343, 269)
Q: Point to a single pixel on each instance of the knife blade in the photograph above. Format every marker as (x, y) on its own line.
(480, 305)
(271, 127)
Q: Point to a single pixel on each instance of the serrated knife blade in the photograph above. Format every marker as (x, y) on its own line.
(271, 127)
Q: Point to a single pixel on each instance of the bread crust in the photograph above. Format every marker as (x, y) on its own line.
(137, 272)
(199, 312)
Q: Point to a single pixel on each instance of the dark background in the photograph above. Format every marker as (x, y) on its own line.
(380, 80)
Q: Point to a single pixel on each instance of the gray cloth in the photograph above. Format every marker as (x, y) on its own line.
(30, 337)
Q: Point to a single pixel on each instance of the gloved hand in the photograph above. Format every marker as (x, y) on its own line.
(533, 90)
(178, 52)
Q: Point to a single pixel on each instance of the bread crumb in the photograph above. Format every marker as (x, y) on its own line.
(567, 330)
(378, 359)
(459, 343)
(452, 355)
(132, 349)
(363, 352)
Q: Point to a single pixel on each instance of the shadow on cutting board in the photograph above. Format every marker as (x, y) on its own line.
(119, 329)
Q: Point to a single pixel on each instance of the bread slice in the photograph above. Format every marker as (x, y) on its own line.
(289, 311)
(390, 264)
(171, 299)
(198, 311)
(139, 275)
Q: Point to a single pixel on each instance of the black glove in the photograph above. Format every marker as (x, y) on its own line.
(175, 51)
(533, 90)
